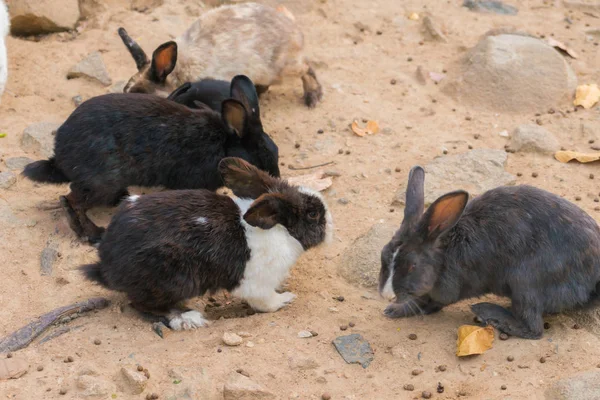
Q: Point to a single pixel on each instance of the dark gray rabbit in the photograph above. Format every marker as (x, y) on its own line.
(114, 141)
(521, 242)
(208, 92)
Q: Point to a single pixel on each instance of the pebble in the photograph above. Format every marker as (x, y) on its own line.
(542, 360)
(305, 334)
(320, 131)
(40, 368)
(440, 387)
(591, 176)
(351, 324)
(343, 327)
(534, 174)
(339, 298)
(62, 391)
(577, 198)
(476, 136)
(398, 169)
(393, 82)
(503, 336)
(510, 358)
(140, 368)
(314, 333)
(231, 339)
(97, 342)
(343, 200)
(412, 336)
(409, 387)
(325, 396)
(69, 359)
(151, 396)
(416, 372)
(503, 387)
(426, 395)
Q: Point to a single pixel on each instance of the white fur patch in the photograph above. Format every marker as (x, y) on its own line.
(133, 198)
(388, 289)
(273, 253)
(202, 220)
(4, 29)
(188, 320)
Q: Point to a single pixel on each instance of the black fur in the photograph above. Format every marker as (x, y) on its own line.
(114, 141)
(45, 171)
(521, 242)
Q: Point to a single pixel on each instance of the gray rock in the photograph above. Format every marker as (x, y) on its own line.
(135, 382)
(30, 17)
(354, 349)
(39, 138)
(534, 139)
(512, 73)
(475, 171)
(490, 6)
(7, 179)
(92, 67)
(47, 259)
(361, 261)
(92, 386)
(239, 387)
(583, 386)
(193, 384)
(17, 163)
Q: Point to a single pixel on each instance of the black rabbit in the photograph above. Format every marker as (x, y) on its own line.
(209, 92)
(515, 241)
(166, 247)
(114, 141)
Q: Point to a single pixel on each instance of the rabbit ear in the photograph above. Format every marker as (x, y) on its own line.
(415, 197)
(234, 115)
(267, 211)
(443, 214)
(164, 59)
(245, 180)
(243, 90)
(179, 91)
(139, 56)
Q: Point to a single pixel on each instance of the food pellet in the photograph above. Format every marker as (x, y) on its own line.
(510, 358)
(351, 324)
(503, 387)
(591, 176)
(577, 198)
(140, 368)
(9, 355)
(297, 145)
(320, 131)
(416, 372)
(542, 360)
(69, 359)
(343, 327)
(40, 368)
(534, 174)
(326, 396)
(340, 151)
(393, 82)
(398, 169)
(62, 391)
(412, 336)
(97, 342)
(426, 395)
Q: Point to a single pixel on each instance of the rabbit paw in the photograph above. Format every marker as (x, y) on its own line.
(188, 320)
(273, 303)
(398, 310)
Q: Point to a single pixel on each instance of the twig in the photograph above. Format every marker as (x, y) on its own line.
(311, 167)
(24, 336)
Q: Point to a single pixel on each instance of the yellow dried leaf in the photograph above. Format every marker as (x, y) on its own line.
(413, 16)
(566, 156)
(587, 95)
(317, 181)
(474, 340)
(371, 129)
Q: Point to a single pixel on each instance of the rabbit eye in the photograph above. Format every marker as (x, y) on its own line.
(411, 267)
(313, 214)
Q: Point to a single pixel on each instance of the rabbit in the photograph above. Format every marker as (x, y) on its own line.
(521, 242)
(251, 39)
(4, 30)
(164, 248)
(114, 141)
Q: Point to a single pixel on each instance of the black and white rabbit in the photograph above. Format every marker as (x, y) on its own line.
(114, 141)
(166, 247)
(209, 92)
(521, 242)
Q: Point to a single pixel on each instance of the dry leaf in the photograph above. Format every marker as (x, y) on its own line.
(566, 156)
(371, 129)
(587, 95)
(413, 16)
(561, 46)
(474, 340)
(318, 181)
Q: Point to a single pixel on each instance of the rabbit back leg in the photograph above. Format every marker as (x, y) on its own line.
(524, 320)
(420, 306)
(179, 316)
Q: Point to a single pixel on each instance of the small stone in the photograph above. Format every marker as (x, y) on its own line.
(409, 387)
(343, 200)
(591, 176)
(426, 395)
(519, 174)
(92, 67)
(302, 363)
(534, 174)
(62, 392)
(347, 152)
(416, 372)
(343, 327)
(92, 386)
(412, 336)
(305, 334)
(69, 359)
(503, 336)
(97, 342)
(231, 339)
(577, 198)
(40, 368)
(510, 358)
(77, 100)
(7, 179)
(503, 387)
(314, 333)
(297, 145)
(339, 298)
(140, 368)
(136, 381)
(320, 131)
(151, 396)
(440, 387)
(249, 344)
(243, 372)
(325, 396)
(476, 136)
(351, 324)
(393, 82)
(542, 360)
(47, 259)
(341, 151)
(398, 169)
(244, 334)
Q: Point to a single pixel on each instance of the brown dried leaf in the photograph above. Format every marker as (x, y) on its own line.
(474, 340)
(561, 46)
(318, 181)
(587, 95)
(566, 156)
(371, 129)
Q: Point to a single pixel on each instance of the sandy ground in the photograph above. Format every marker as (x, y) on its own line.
(355, 69)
